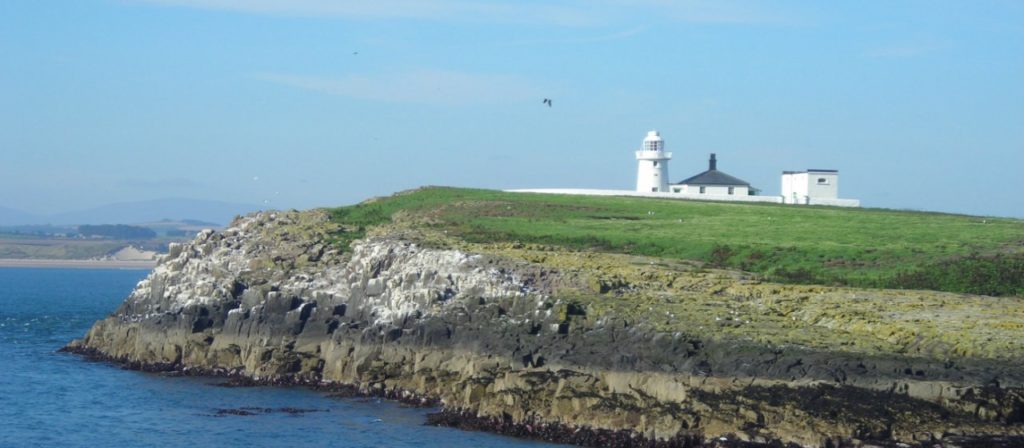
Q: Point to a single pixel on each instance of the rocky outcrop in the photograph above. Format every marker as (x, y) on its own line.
(519, 345)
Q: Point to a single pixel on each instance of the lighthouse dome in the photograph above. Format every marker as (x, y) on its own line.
(653, 141)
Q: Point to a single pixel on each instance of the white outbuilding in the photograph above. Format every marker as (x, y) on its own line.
(813, 187)
(652, 165)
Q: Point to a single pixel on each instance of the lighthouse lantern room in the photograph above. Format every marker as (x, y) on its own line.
(652, 160)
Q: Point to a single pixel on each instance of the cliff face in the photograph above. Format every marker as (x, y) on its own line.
(510, 339)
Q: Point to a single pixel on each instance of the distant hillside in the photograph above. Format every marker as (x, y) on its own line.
(217, 212)
(781, 243)
(198, 224)
(12, 217)
(179, 228)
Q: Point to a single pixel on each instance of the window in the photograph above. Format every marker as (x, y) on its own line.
(702, 190)
(655, 163)
(730, 190)
(654, 189)
(675, 190)
(822, 181)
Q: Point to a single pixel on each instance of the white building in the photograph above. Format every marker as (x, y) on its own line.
(714, 182)
(813, 187)
(652, 165)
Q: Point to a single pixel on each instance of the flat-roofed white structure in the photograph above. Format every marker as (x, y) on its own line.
(813, 187)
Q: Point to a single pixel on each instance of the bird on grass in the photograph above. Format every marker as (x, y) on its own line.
(547, 101)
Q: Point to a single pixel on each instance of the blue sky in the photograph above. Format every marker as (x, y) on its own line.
(303, 103)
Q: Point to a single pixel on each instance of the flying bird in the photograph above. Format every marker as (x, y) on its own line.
(547, 101)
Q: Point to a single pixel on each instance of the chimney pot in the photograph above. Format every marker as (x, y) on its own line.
(712, 163)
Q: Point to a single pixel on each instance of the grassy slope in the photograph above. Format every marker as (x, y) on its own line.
(812, 245)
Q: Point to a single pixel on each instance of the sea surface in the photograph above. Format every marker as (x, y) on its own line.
(57, 399)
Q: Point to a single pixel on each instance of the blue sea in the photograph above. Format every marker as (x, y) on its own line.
(57, 399)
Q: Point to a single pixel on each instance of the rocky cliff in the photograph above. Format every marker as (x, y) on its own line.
(589, 348)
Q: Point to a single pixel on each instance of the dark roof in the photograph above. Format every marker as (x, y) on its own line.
(713, 177)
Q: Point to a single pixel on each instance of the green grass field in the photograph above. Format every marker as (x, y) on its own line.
(808, 245)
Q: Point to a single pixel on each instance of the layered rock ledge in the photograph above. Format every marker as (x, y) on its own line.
(580, 348)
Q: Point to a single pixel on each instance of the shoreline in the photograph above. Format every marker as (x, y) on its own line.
(444, 417)
(75, 264)
(548, 432)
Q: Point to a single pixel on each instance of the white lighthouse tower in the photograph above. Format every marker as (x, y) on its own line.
(652, 172)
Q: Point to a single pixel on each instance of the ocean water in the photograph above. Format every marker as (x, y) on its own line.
(57, 399)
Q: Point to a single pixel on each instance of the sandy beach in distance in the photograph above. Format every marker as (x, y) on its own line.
(81, 264)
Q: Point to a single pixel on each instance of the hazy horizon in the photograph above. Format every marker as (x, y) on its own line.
(305, 103)
(133, 212)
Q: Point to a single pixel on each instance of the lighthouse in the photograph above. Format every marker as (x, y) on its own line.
(652, 161)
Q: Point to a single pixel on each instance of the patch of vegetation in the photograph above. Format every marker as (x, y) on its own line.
(57, 249)
(355, 220)
(720, 255)
(805, 245)
(1000, 274)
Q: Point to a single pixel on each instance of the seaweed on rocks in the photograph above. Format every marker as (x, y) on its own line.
(93, 354)
(581, 435)
(241, 412)
(248, 411)
(237, 381)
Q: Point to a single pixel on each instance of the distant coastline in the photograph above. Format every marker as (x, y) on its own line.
(77, 264)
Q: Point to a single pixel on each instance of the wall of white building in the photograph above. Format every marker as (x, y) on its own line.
(790, 191)
(663, 195)
(693, 196)
(823, 185)
(808, 186)
(720, 190)
(835, 202)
